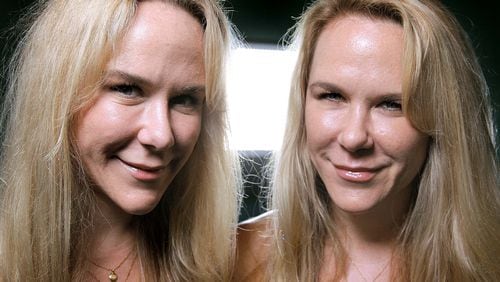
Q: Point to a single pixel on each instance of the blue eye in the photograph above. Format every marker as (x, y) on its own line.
(391, 105)
(332, 96)
(186, 101)
(125, 89)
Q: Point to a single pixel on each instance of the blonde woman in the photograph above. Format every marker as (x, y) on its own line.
(115, 163)
(388, 169)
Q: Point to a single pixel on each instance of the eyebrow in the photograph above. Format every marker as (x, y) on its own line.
(332, 87)
(197, 90)
(129, 77)
(139, 80)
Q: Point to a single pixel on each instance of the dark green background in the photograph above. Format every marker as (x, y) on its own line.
(265, 21)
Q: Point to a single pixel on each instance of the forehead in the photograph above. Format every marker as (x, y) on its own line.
(153, 17)
(358, 36)
(359, 47)
(162, 35)
(158, 25)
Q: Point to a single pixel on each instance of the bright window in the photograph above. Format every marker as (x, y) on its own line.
(258, 83)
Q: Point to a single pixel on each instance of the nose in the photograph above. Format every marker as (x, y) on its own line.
(355, 134)
(156, 131)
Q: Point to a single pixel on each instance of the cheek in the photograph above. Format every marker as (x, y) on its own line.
(411, 156)
(416, 145)
(102, 124)
(86, 143)
(311, 127)
(403, 142)
(186, 129)
(84, 127)
(321, 126)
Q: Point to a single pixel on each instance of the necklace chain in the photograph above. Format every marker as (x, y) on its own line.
(112, 271)
(131, 267)
(376, 277)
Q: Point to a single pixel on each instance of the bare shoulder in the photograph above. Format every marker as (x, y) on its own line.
(254, 241)
(254, 235)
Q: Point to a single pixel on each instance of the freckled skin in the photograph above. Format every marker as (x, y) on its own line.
(133, 140)
(365, 150)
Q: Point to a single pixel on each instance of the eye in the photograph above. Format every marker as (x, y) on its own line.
(391, 105)
(186, 101)
(332, 96)
(125, 89)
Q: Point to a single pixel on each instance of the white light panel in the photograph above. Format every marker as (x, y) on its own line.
(258, 83)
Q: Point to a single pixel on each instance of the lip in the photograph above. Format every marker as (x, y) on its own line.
(143, 172)
(355, 174)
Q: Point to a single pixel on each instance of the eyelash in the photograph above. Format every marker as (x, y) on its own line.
(332, 96)
(391, 105)
(126, 89)
(129, 90)
(185, 100)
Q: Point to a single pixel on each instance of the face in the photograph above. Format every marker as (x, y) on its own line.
(364, 148)
(146, 117)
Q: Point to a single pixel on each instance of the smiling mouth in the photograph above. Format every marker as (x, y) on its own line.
(143, 172)
(357, 175)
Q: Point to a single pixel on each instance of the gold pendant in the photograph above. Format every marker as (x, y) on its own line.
(112, 276)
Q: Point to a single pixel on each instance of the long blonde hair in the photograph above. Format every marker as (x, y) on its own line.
(45, 209)
(451, 231)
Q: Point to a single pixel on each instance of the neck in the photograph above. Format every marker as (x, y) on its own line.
(113, 250)
(113, 231)
(112, 245)
(372, 235)
(114, 256)
(369, 240)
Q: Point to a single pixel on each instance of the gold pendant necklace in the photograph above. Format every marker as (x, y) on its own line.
(112, 271)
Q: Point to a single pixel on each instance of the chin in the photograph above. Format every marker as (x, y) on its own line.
(139, 211)
(355, 202)
(354, 208)
(140, 207)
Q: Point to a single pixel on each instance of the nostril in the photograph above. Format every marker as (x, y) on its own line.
(156, 139)
(355, 139)
(363, 152)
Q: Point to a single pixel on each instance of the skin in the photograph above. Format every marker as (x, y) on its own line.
(144, 123)
(360, 141)
(364, 148)
(146, 119)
